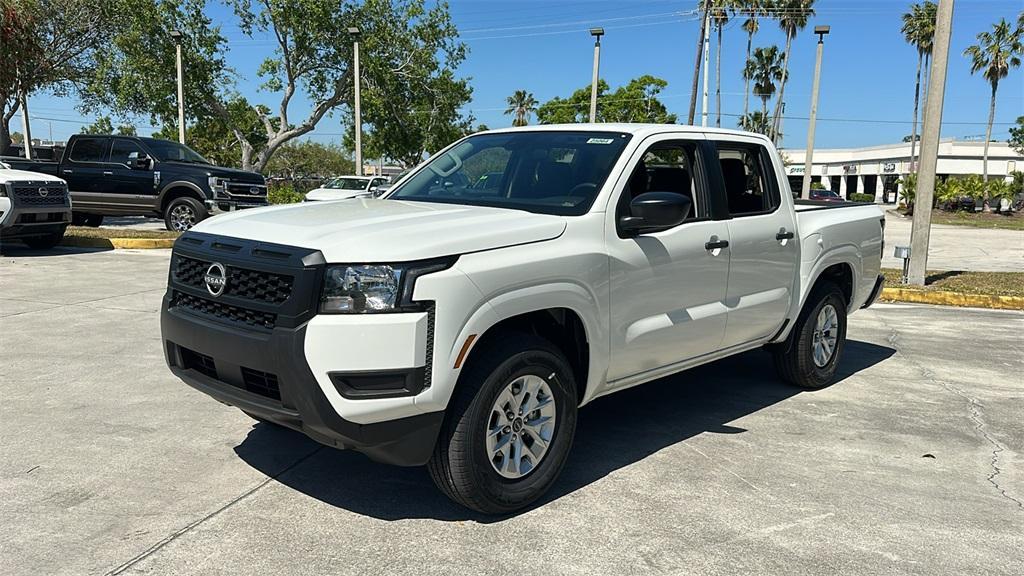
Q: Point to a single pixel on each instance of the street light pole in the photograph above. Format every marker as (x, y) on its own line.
(805, 191)
(358, 113)
(707, 48)
(921, 231)
(176, 34)
(596, 33)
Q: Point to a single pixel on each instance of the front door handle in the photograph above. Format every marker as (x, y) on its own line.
(784, 236)
(716, 245)
(67, 171)
(108, 173)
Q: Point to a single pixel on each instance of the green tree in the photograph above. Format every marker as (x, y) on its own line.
(103, 125)
(48, 45)
(214, 136)
(756, 121)
(637, 101)
(1016, 140)
(753, 10)
(310, 160)
(919, 31)
(994, 55)
(792, 16)
(521, 104)
(764, 69)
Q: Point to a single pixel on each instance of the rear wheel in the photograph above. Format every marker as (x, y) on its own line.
(509, 426)
(183, 213)
(45, 242)
(811, 354)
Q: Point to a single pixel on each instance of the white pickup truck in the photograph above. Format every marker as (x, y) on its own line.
(34, 208)
(462, 326)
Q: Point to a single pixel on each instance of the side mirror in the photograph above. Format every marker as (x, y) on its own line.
(139, 161)
(656, 210)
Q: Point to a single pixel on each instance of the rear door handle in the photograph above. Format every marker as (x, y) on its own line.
(67, 171)
(716, 245)
(108, 173)
(784, 236)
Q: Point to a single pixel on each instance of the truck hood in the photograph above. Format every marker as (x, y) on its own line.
(9, 175)
(373, 230)
(232, 174)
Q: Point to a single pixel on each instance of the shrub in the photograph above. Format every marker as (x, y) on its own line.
(858, 197)
(817, 186)
(285, 194)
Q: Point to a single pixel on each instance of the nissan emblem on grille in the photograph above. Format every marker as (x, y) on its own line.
(216, 278)
(43, 192)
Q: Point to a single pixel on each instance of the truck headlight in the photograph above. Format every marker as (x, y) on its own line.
(218, 185)
(367, 288)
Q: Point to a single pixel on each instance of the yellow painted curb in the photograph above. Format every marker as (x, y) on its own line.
(952, 298)
(126, 243)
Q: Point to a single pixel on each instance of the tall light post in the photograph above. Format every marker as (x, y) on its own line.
(707, 49)
(354, 32)
(805, 191)
(920, 233)
(176, 35)
(596, 33)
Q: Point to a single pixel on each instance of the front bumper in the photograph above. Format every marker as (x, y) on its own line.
(24, 222)
(223, 205)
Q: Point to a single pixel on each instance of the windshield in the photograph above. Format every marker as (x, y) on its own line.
(167, 151)
(545, 172)
(347, 184)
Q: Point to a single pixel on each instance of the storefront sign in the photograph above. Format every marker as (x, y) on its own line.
(889, 167)
(850, 168)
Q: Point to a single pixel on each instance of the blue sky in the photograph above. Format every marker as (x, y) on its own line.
(543, 46)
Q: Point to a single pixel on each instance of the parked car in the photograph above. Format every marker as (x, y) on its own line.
(344, 187)
(129, 176)
(826, 196)
(463, 328)
(34, 208)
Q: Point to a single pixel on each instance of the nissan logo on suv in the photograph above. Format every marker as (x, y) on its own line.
(216, 278)
(44, 192)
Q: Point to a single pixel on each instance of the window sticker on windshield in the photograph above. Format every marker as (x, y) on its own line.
(600, 141)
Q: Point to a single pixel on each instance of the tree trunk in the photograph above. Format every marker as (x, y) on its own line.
(782, 88)
(746, 85)
(988, 136)
(917, 102)
(718, 80)
(696, 65)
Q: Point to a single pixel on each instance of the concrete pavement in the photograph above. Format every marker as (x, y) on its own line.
(911, 464)
(959, 247)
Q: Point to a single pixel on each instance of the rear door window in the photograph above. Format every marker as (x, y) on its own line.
(90, 150)
(748, 179)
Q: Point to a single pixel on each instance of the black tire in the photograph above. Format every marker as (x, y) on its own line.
(794, 359)
(45, 242)
(182, 213)
(460, 466)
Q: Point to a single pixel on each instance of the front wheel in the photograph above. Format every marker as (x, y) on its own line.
(509, 426)
(183, 213)
(810, 355)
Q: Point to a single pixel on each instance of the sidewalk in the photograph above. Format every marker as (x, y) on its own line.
(959, 247)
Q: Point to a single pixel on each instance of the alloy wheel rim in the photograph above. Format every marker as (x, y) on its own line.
(182, 218)
(521, 426)
(826, 335)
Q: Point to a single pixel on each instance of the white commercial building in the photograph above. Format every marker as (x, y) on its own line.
(876, 170)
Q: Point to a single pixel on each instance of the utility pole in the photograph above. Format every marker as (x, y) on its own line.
(805, 190)
(176, 34)
(354, 31)
(707, 48)
(596, 33)
(921, 231)
(696, 61)
(25, 126)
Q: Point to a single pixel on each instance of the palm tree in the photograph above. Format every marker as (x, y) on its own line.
(756, 121)
(919, 31)
(703, 8)
(765, 69)
(521, 103)
(721, 11)
(792, 16)
(994, 55)
(753, 9)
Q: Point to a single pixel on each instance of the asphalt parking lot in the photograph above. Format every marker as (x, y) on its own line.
(913, 463)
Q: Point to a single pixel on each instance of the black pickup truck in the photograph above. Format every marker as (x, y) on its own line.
(131, 176)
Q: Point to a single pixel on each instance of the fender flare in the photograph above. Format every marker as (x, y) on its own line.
(197, 192)
(847, 254)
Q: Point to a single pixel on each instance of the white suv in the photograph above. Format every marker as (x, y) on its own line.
(462, 326)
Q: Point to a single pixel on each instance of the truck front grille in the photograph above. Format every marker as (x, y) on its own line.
(222, 311)
(241, 282)
(40, 194)
(241, 189)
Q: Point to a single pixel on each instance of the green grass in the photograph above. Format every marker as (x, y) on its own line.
(87, 232)
(1014, 221)
(991, 283)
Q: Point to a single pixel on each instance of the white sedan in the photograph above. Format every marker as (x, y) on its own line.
(344, 187)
